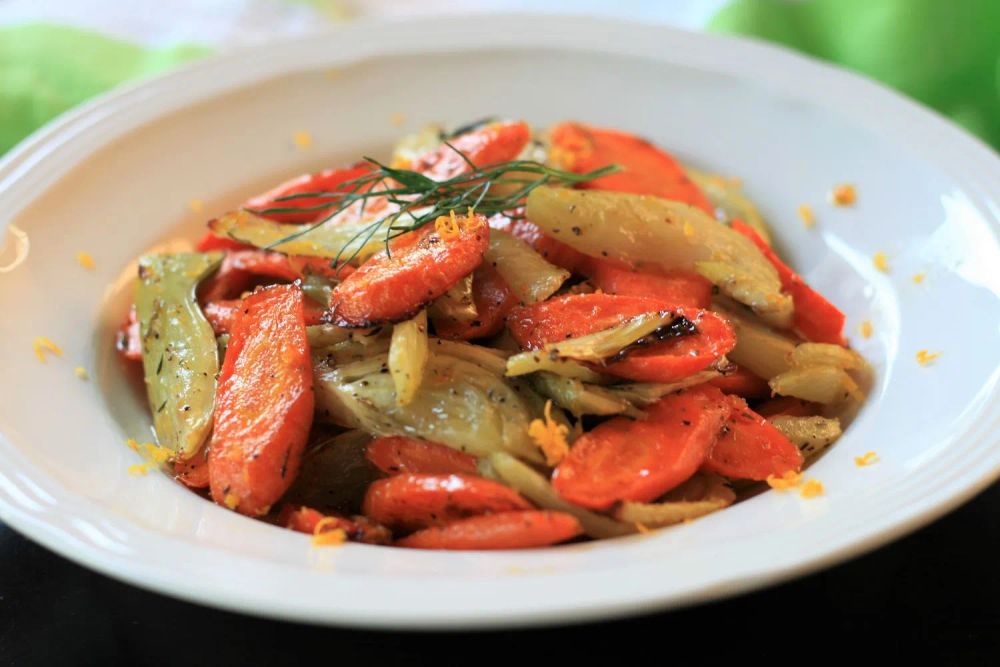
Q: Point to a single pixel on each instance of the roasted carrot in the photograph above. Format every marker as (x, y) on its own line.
(664, 361)
(239, 269)
(624, 459)
(412, 501)
(332, 181)
(742, 383)
(750, 447)
(221, 314)
(210, 242)
(493, 299)
(507, 530)
(193, 473)
(681, 288)
(308, 520)
(128, 340)
(419, 267)
(486, 145)
(399, 454)
(556, 252)
(815, 318)
(264, 402)
(646, 169)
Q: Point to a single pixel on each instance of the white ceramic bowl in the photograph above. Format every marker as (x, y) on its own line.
(116, 176)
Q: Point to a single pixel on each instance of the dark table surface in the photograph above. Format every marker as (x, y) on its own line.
(935, 594)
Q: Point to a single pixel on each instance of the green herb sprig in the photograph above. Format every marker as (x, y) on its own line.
(418, 199)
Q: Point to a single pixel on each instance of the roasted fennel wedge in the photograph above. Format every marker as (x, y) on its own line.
(460, 404)
(180, 357)
(643, 230)
(334, 238)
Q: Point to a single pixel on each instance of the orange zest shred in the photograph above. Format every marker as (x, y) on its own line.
(843, 195)
(196, 205)
(324, 536)
(138, 469)
(918, 278)
(881, 262)
(866, 329)
(924, 357)
(86, 260)
(866, 459)
(302, 139)
(550, 436)
(807, 216)
(789, 480)
(812, 488)
(81, 373)
(43, 346)
(447, 226)
(231, 500)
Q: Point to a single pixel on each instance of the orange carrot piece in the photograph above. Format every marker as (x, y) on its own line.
(664, 361)
(396, 454)
(815, 318)
(210, 242)
(742, 383)
(330, 180)
(307, 520)
(646, 169)
(193, 473)
(493, 299)
(750, 447)
(681, 288)
(624, 459)
(486, 145)
(221, 314)
(507, 530)
(412, 501)
(264, 402)
(420, 267)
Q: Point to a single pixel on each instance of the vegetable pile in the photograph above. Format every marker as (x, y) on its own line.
(501, 339)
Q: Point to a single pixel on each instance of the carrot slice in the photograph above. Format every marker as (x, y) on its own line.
(742, 383)
(210, 242)
(486, 145)
(508, 530)
(646, 169)
(330, 180)
(307, 520)
(128, 341)
(815, 318)
(421, 266)
(623, 459)
(750, 447)
(493, 299)
(681, 288)
(554, 251)
(665, 361)
(241, 268)
(399, 454)
(264, 402)
(412, 501)
(221, 314)
(193, 473)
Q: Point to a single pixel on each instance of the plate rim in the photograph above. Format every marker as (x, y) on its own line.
(73, 125)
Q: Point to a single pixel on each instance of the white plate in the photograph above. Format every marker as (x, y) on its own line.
(116, 176)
